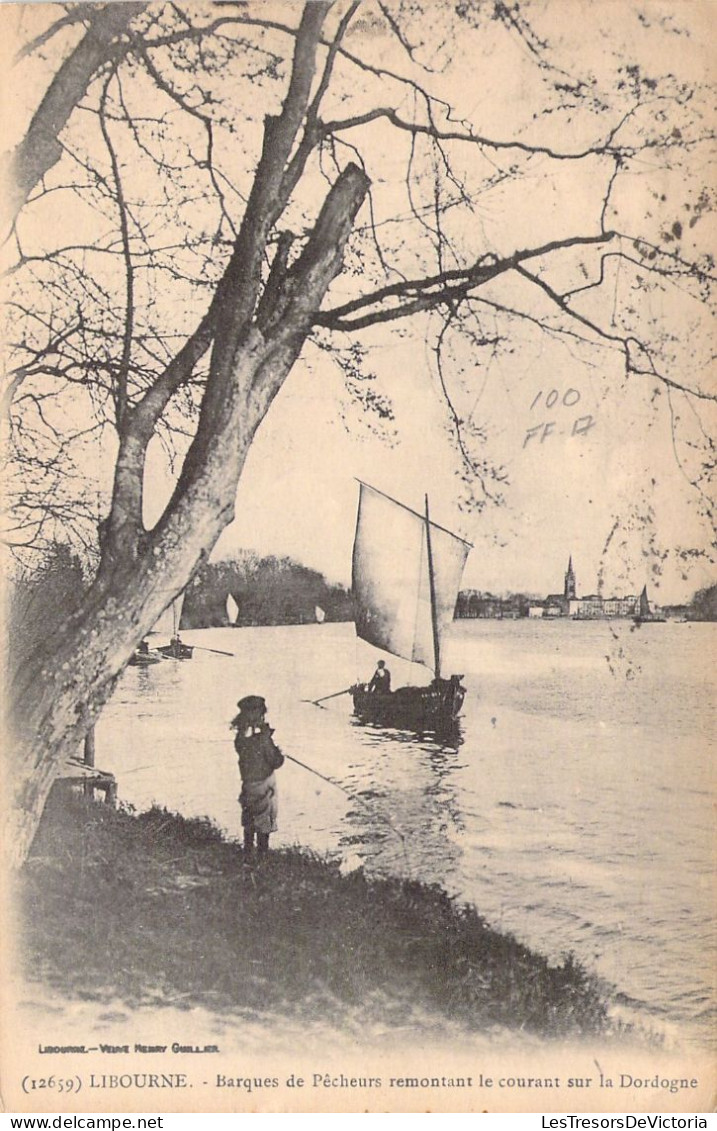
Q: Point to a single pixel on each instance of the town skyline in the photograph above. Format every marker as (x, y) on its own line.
(588, 606)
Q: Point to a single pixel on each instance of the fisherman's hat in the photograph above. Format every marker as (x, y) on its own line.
(252, 703)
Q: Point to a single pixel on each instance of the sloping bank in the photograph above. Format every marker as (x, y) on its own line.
(153, 907)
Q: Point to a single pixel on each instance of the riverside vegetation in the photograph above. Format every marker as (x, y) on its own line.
(157, 909)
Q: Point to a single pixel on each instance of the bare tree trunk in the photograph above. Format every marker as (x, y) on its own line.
(59, 693)
(57, 697)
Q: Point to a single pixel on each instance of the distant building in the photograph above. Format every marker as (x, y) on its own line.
(586, 608)
(558, 604)
(471, 603)
(621, 606)
(569, 590)
(595, 607)
(555, 606)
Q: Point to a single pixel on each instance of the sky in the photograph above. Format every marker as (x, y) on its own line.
(592, 470)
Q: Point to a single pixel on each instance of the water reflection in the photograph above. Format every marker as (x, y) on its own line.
(415, 814)
(449, 739)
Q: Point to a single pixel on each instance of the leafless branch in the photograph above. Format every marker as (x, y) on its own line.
(40, 148)
(416, 295)
(631, 347)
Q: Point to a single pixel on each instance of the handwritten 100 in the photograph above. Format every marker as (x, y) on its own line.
(581, 424)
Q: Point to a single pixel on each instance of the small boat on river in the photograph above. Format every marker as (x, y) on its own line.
(645, 614)
(169, 622)
(143, 656)
(406, 573)
(176, 650)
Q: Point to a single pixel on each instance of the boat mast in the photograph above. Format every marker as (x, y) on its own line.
(432, 584)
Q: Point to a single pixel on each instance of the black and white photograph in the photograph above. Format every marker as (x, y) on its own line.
(358, 556)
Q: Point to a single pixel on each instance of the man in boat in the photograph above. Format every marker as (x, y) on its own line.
(259, 757)
(381, 679)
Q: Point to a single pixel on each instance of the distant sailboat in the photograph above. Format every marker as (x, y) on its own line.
(645, 614)
(645, 610)
(319, 614)
(406, 575)
(232, 610)
(169, 622)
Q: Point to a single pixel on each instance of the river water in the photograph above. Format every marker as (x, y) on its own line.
(575, 812)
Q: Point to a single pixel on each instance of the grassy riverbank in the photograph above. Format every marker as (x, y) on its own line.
(155, 909)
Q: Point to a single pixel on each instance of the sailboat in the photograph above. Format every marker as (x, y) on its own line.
(232, 611)
(169, 621)
(319, 614)
(405, 578)
(645, 614)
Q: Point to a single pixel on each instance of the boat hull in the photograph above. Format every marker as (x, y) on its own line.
(176, 651)
(143, 659)
(432, 709)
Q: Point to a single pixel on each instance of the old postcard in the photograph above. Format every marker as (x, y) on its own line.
(358, 557)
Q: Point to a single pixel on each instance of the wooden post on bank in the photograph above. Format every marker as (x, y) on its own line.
(89, 759)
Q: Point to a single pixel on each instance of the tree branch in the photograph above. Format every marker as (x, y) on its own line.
(601, 149)
(258, 366)
(438, 290)
(268, 195)
(78, 14)
(124, 365)
(40, 148)
(304, 284)
(626, 342)
(312, 129)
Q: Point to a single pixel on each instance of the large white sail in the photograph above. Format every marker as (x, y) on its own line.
(232, 609)
(391, 579)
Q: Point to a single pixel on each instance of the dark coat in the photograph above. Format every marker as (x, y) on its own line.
(381, 681)
(258, 754)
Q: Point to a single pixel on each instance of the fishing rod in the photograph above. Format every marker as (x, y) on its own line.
(329, 781)
(354, 797)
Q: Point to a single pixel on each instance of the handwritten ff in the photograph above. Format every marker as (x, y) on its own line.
(570, 398)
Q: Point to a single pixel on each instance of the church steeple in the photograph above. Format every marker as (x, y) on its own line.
(569, 591)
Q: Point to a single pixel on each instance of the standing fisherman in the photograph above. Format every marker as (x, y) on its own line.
(259, 756)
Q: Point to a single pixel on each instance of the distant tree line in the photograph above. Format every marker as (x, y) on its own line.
(703, 606)
(267, 590)
(473, 604)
